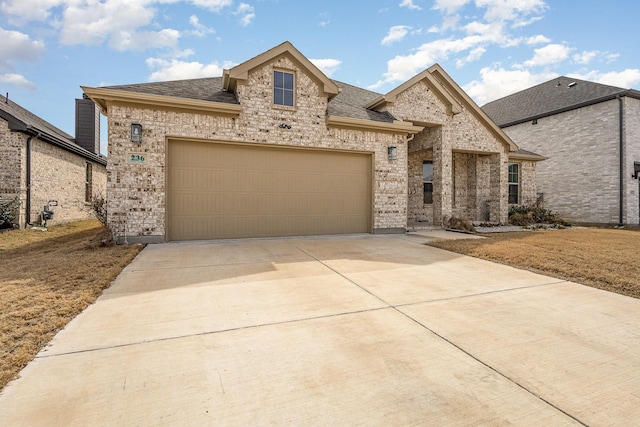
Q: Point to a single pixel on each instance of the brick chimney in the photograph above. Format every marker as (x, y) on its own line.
(88, 124)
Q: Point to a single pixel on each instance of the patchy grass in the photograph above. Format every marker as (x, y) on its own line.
(46, 279)
(602, 258)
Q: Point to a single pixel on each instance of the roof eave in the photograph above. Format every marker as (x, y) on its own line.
(530, 157)
(629, 92)
(396, 126)
(102, 96)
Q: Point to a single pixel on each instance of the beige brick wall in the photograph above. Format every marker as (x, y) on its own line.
(528, 185)
(12, 166)
(484, 178)
(58, 174)
(137, 192)
(580, 180)
(12, 145)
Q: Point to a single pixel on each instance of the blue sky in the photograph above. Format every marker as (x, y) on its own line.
(492, 48)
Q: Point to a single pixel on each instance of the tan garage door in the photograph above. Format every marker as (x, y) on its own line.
(217, 190)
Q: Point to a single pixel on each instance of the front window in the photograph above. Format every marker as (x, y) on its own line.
(514, 183)
(427, 181)
(283, 88)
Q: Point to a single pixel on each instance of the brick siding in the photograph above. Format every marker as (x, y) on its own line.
(580, 180)
(137, 192)
(56, 174)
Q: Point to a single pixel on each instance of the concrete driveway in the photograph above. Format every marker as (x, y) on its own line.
(351, 330)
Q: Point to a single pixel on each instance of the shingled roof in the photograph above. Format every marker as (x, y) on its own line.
(552, 97)
(349, 102)
(22, 120)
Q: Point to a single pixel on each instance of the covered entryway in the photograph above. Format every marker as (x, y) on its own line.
(225, 190)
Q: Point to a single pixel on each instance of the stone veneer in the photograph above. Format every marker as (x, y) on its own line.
(581, 180)
(136, 192)
(56, 174)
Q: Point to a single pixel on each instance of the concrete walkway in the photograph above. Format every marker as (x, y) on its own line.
(351, 330)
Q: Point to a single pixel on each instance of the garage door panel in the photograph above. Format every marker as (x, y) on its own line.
(231, 190)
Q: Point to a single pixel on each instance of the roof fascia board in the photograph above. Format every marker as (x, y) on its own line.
(370, 125)
(530, 157)
(13, 122)
(629, 93)
(102, 97)
(16, 125)
(241, 72)
(66, 145)
(474, 108)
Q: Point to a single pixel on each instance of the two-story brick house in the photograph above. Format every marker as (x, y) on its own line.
(591, 134)
(276, 148)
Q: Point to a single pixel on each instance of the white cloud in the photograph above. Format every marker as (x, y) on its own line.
(409, 4)
(96, 22)
(474, 55)
(585, 57)
(212, 5)
(498, 82)
(327, 66)
(537, 39)
(17, 46)
(142, 40)
(247, 14)
(17, 80)
(550, 54)
(508, 10)
(449, 22)
(450, 7)
(404, 67)
(200, 29)
(177, 70)
(29, 10)
(395, 34)
(625, 79)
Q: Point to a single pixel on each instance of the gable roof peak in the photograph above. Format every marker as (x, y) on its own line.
(240, 72)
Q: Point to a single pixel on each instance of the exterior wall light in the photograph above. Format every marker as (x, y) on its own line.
(392, 152)
(136, 132)
(636, 170)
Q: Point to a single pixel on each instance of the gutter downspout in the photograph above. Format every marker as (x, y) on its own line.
(621, 142)
(28, 184)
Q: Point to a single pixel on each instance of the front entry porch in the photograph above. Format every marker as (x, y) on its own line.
(465, 185)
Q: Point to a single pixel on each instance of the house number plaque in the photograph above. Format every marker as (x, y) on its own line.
(136, 158)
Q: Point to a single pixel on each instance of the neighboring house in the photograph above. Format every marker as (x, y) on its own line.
(40, 163)
(591, 134)
(276, 148)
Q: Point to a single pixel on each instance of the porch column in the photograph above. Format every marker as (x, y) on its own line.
(499, 189)
(442, 185)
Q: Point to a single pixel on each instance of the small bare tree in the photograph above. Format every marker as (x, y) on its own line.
(98, 208)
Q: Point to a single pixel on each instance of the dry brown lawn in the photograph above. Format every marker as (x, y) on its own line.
(46, 279)
(603, 258)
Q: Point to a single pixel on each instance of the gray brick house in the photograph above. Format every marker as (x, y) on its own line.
(276, 148)
(39, 162)
(591, 135)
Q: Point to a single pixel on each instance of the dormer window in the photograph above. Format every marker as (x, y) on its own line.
(283, 88)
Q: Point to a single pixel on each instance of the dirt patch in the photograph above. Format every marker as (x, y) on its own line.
(46, 279)
(601, 258)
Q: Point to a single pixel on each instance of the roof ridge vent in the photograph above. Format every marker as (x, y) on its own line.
(572, 84)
